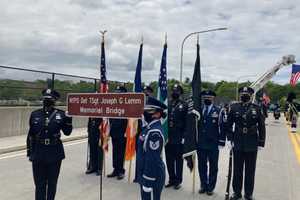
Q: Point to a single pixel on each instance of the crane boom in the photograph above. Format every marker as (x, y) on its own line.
(262, 80)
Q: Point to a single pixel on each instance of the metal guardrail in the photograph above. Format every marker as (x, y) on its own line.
(51, 84)
(17, 89)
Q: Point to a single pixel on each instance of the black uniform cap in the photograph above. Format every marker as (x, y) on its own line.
(208, 93)
(177, 87)
(121, 89)
(247, 90)
(148, 88)
(154, 104)
(50, 94)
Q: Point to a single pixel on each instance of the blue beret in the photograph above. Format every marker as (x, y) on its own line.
(246, 89)
(153, 104)
(50, 94)
(208, 93)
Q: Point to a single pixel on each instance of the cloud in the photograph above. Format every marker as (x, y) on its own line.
(63, 36)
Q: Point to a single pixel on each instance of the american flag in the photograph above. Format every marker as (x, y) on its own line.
(295, 75)
(104, 126)
(162, 92)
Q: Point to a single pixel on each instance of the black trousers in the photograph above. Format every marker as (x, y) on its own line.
(174, 162)
(155, 194)
(243, 160)
(45, 177)
(208, 168)
(119, 147)
(96, 155)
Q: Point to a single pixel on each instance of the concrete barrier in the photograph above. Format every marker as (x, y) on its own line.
(15, 120)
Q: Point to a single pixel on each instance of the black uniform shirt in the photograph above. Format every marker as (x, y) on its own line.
(249, 130)
(43, 140)
(177, 111)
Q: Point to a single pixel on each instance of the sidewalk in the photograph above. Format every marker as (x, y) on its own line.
(17, 143)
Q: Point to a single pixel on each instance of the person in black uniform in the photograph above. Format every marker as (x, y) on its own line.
(177, 111)
(151, 168)
(118, 136)
(211, 139)
(247, 137)
(148, 91)
(95, 151)
(44, 147)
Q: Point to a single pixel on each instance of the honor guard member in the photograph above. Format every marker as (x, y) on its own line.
(148, 91)
(118, 137)
(44, 146)
(95, 158)
(211, 138)
(151, 167)
(246, 138)
(177, 111)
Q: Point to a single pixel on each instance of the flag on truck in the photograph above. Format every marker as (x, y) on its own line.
(295, 75)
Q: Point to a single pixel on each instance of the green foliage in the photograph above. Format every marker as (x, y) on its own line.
(226, 91)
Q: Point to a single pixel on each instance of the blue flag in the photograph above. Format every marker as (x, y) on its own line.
(162, 91)
(138, 73)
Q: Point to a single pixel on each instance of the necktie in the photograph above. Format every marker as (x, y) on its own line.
(206, 111)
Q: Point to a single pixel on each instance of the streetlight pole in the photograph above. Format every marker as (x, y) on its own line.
(237, 84)
(186, 37)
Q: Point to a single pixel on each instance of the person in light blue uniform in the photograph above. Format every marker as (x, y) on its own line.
(211, 138)
(150, 167)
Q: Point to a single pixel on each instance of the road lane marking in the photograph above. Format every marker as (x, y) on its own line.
(23, 152)
(295, 143)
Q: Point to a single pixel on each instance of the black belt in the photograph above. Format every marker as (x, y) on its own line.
(245, 129)
(48, 141)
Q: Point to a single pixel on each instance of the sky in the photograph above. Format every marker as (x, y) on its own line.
(63, 36)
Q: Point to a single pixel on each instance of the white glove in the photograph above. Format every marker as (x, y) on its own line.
(147, 189)
(230, 145)
(182, 141)
(220, 147)
(260, 148)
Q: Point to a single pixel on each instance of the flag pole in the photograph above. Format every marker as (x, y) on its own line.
(129, 170)
(103, 164)
(194, 174)
(194, 157)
